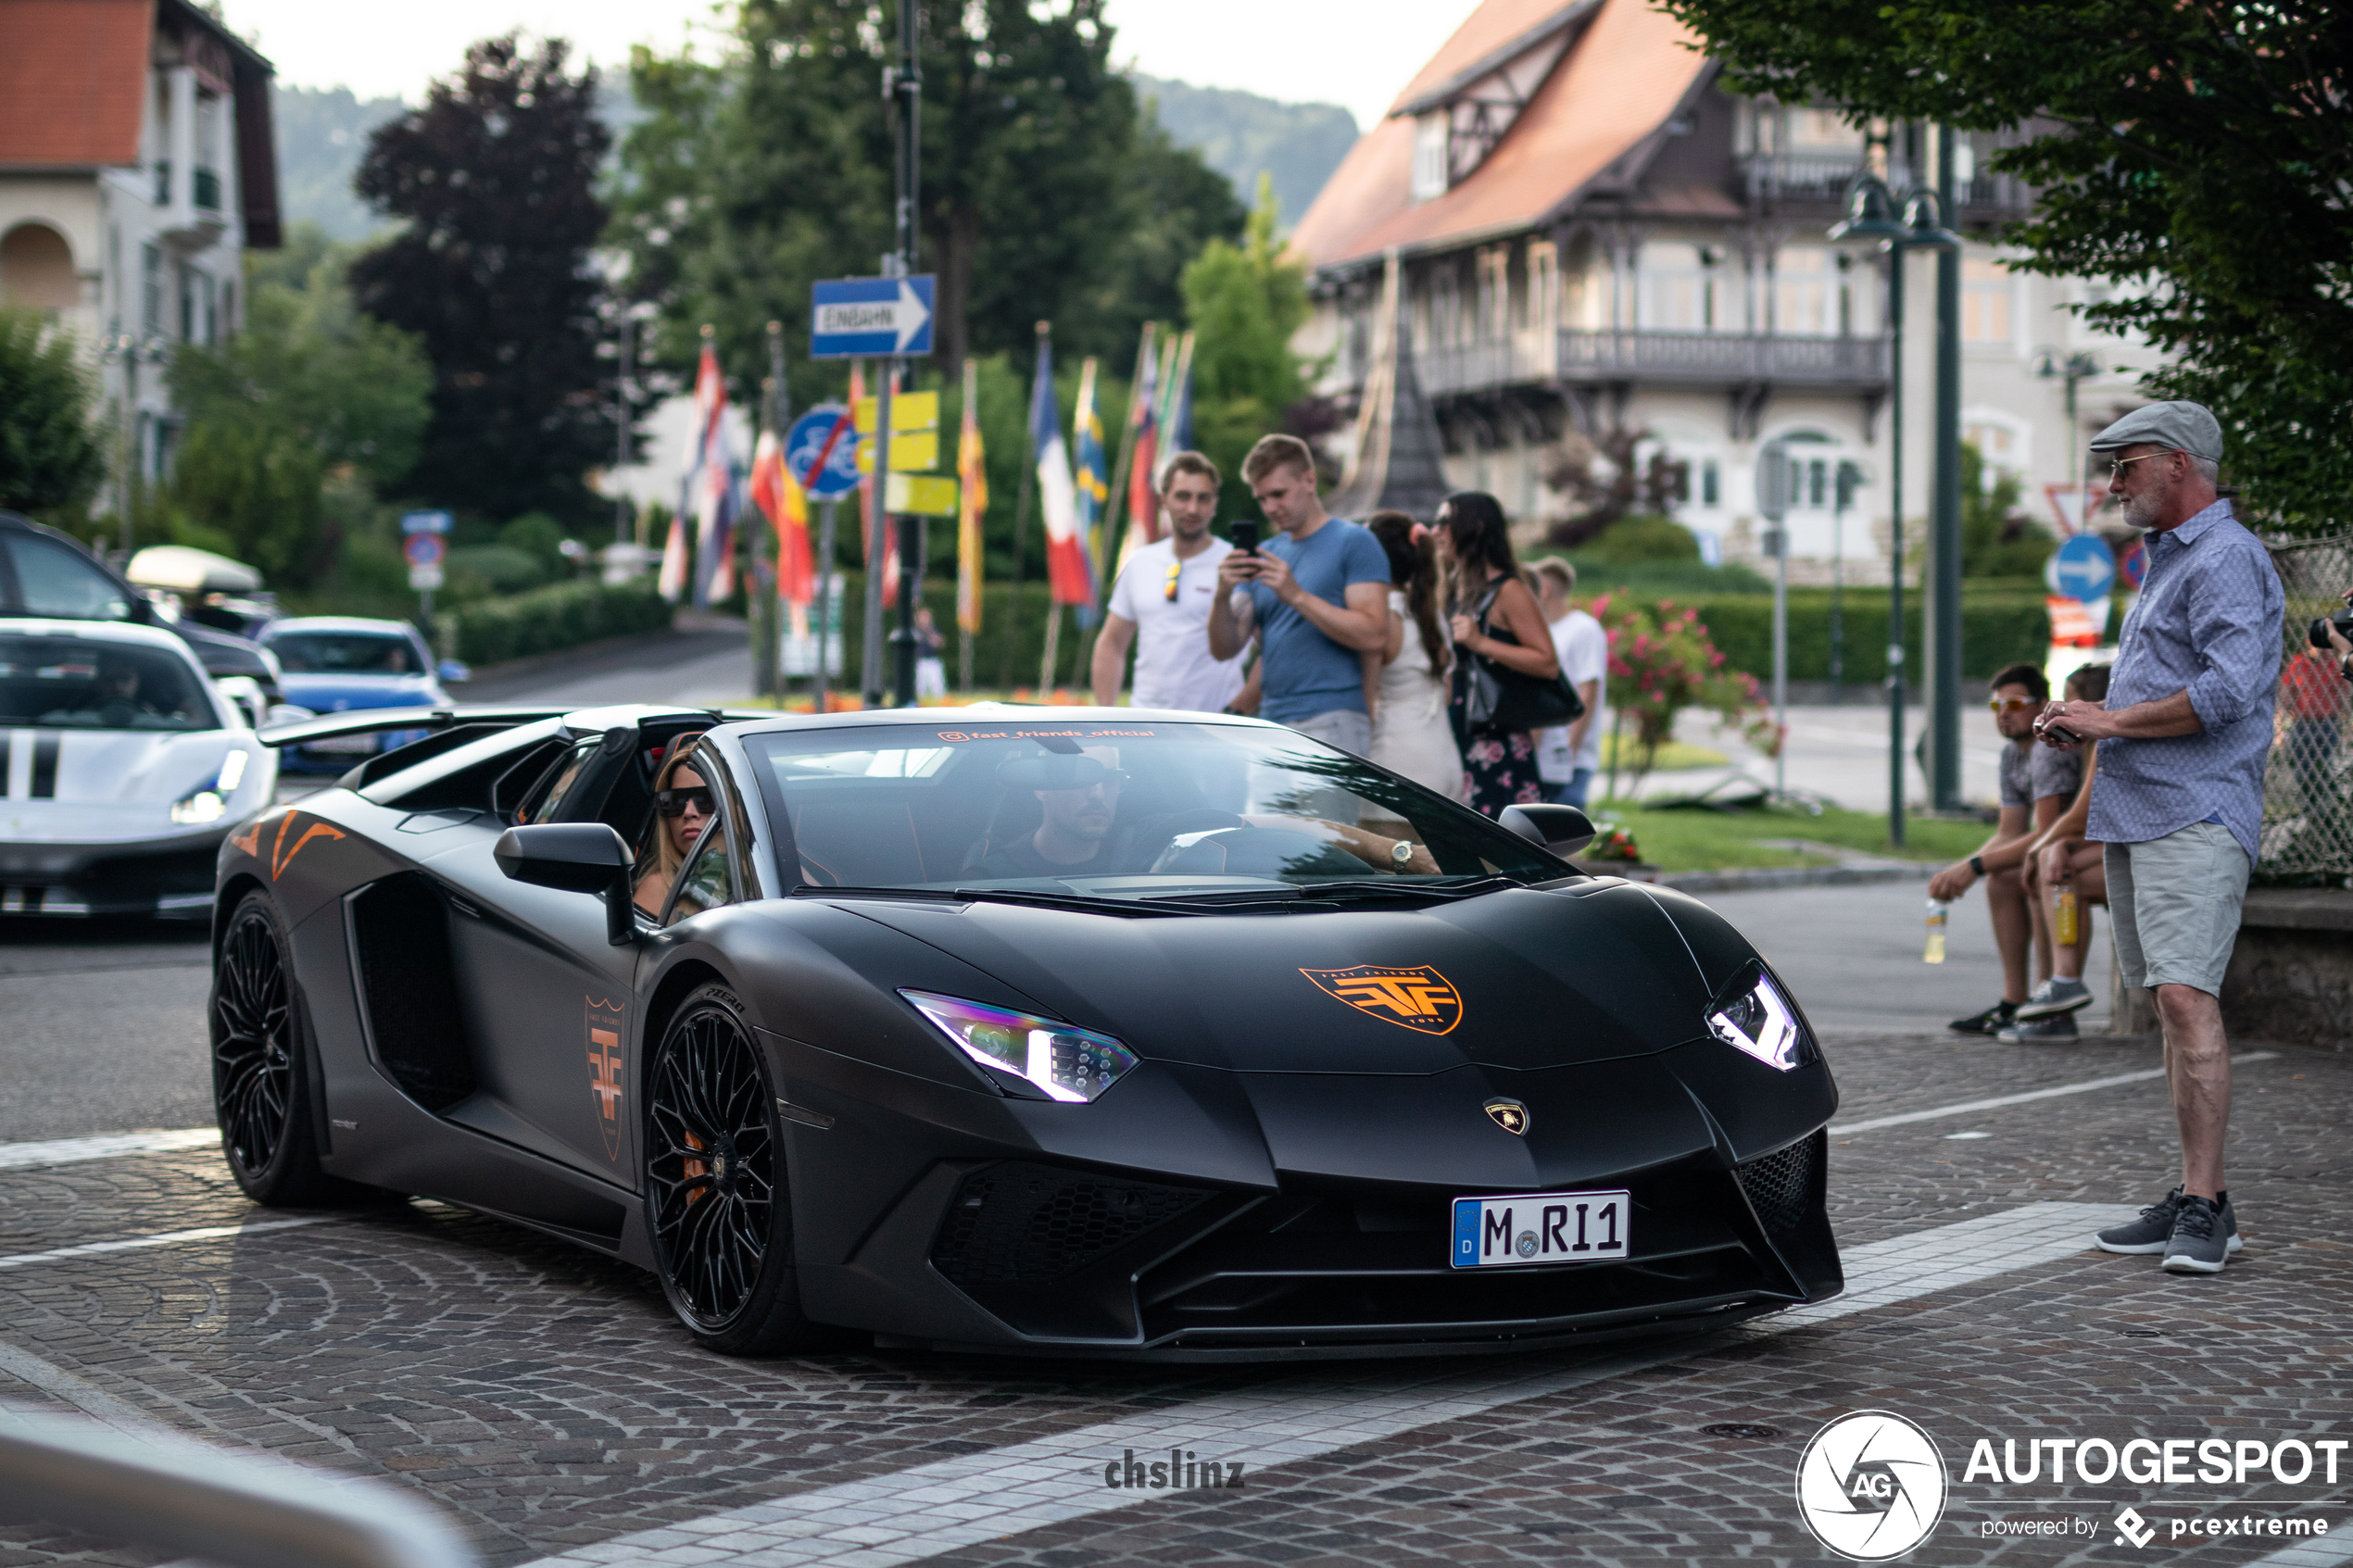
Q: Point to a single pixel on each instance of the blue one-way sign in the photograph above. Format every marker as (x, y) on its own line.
(869, 317)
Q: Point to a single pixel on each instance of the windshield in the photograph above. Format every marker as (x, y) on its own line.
(1153, 810)
(346, 653)
(69, 682)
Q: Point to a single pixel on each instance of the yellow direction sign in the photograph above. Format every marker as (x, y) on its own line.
(911, 452)
(909, 411)
(923, 495)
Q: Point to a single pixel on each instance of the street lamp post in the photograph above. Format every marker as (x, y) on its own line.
(2079, 366)
(905, 84)
(1943, 641)
(131, 352)
(1872, 224)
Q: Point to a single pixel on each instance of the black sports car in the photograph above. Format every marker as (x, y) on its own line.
(1098, 1032)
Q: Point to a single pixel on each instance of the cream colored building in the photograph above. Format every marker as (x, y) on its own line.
(137, 166)
(1568, 226)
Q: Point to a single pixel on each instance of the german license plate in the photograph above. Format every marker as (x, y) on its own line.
(1540, 1228)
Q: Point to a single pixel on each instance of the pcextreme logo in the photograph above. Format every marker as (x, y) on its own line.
(1419, 999)
(1870, 1486)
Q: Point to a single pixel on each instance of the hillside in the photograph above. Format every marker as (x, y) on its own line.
(1238, 134)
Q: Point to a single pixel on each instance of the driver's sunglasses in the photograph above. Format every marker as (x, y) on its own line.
(2012, 704)
(674, 802)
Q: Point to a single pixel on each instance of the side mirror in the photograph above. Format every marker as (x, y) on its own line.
(454, 672)
(577, 858)
(245, 695)
(1564, 829)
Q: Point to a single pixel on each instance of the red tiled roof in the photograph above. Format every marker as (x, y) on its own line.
(72, 73)
(1621, 80)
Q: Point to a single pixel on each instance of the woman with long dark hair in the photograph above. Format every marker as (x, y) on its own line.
(1411, 733)
(1496, 619)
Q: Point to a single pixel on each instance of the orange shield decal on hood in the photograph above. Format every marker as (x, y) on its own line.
(1418, 998)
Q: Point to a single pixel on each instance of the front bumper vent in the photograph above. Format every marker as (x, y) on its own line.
(1023, 1223)
(1784, 1186)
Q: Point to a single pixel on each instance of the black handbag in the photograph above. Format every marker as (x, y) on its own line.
(1499, 699)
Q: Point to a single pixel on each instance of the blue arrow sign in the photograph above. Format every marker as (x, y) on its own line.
(2081, 568)
(424, 522)
(807, 438)
(871, 316)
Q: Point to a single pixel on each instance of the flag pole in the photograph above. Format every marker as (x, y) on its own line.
(1115, 515)
(1021, 524)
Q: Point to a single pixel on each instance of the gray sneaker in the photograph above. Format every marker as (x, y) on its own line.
(2203, 1239)
(2053, 996)
(2031, 1031)
(2154, 1229)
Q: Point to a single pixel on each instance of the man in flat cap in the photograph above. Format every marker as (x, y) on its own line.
(2179, 797)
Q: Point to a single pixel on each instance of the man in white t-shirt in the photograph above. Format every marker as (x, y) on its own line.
(1161, 604)
(1567, 756)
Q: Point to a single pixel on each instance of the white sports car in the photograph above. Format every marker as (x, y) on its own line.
(125, 767)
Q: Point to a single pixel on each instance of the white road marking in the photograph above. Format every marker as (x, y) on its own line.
(922, 1512)
(1966, 1106)
(162, 1239)
(2324, 1551)
(104, 1146)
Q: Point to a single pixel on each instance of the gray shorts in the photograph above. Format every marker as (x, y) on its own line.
(1351, 729)
(2174, 907)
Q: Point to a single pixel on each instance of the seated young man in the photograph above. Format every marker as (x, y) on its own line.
(2060, 856)
(2034, 791)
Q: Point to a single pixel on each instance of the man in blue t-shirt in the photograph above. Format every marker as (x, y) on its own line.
(1317, 593)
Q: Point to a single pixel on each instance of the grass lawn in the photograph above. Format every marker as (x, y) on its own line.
(1685, 841)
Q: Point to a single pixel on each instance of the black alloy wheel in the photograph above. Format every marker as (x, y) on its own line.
(258, 1066)
(715, 1183)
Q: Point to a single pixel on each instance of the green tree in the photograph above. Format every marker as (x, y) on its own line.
(2198, 154)
(1044, 192)
(51, 456)
(354, 389)
(251, 489)
(496, 178)
(1997, 540)
(1243, 303)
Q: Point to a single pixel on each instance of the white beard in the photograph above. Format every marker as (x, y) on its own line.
(2141, 510)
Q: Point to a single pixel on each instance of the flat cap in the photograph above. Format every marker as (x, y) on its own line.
(2185, 427)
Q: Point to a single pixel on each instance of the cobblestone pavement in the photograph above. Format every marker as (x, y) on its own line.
(542, 1395)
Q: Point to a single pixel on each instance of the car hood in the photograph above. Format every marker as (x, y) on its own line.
(1521, 979)
(338, 693)
(119, 785)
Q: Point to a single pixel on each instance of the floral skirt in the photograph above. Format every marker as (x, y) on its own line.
(1501, 772)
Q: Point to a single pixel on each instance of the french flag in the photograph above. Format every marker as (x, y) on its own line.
(1070, 574)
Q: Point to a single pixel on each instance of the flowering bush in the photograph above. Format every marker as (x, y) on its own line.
(1661, 661)
(1613, 843)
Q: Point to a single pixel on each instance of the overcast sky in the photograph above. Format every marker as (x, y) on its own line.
(1357, 52)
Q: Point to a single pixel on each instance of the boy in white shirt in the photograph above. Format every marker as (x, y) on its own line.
(1568, 756)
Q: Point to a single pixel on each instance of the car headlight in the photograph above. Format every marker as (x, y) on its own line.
(1064, 1063)
(210, 802)
(1753, 1016)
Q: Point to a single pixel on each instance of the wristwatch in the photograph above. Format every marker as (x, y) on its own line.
(1977, 864)
(1400, 854)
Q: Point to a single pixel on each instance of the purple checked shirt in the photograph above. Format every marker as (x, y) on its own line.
(2208, 622)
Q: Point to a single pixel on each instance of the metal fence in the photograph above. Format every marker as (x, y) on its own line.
(2308, 807)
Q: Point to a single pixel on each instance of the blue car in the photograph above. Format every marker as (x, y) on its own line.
(338, 664)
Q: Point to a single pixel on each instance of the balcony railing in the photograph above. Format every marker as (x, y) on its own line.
(1824, 176)
(207, 190)
(1722, 358)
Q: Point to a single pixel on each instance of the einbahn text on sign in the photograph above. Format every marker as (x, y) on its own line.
(872, 318)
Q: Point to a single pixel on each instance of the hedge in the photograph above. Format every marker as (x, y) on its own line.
(1995, 633)
(1011, 622)
(545, 620)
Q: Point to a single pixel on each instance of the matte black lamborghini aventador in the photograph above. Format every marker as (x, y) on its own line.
(1098, 1032)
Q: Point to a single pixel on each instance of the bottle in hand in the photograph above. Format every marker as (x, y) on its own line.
(1935, 952)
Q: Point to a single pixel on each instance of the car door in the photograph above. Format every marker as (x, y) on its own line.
(549, 1001)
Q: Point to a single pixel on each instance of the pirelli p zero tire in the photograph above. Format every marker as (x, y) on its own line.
(261, 1067)
(715, 1183)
